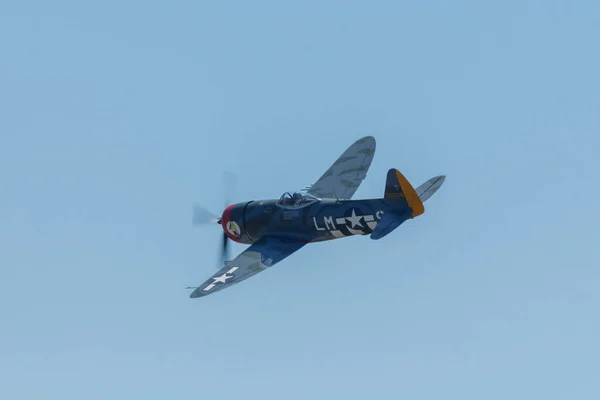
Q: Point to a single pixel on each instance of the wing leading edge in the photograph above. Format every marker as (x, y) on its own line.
(346, 174)
(266, 252)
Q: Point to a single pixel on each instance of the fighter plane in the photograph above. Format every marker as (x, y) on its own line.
(277, 228)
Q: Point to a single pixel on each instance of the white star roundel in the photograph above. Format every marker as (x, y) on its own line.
(354, 219)
(221, 279)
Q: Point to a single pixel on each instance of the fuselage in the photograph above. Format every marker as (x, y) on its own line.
(318, 221)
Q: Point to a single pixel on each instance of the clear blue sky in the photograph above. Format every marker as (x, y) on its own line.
(115, 117)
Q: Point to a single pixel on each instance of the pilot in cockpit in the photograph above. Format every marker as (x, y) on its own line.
(297, 198)
(292, 199)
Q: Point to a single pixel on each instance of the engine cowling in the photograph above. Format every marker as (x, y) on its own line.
(233, 225)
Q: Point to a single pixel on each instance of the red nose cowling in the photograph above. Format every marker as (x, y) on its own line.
(231, 228)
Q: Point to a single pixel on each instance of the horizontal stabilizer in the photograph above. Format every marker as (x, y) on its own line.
(388, 223)
(427, 189)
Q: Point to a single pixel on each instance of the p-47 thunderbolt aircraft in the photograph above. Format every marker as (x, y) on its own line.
(275, 229)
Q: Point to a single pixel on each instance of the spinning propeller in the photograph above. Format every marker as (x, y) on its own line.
(204, 217)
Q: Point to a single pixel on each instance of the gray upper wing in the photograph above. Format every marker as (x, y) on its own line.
(346, 174)
(263, 254)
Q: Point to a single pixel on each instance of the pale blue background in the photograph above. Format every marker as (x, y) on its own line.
(115, 117)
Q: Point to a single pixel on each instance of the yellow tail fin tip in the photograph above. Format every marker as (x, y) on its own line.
(411, 196)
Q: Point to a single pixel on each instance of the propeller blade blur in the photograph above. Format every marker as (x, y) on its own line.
(229, 186)
(202, 216)
(224, 250)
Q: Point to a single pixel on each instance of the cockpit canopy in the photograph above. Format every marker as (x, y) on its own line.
(296, 200)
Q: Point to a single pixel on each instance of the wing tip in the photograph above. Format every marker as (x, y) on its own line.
(368, 140)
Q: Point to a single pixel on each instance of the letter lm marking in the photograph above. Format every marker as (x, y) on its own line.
(317, 226)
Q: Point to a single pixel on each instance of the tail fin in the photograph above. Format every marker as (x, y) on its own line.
(397, 188)
(405, 203)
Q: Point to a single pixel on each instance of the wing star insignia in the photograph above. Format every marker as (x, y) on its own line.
(221, 279)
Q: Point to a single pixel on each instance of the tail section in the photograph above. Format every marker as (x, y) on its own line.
(427, 189)
(404, 204)
(398, 189)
